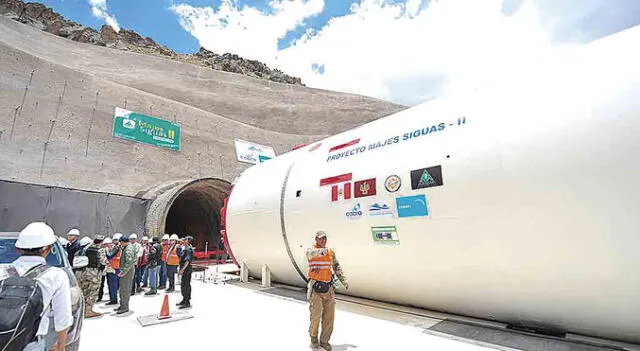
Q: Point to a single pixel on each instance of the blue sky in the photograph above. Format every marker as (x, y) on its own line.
(153, 18)
(406, 51)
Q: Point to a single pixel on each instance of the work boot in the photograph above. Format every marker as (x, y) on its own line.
(151, 292)
(90, 314)
(180, 303)
(314, 343)
(111, 303)
(325, 346)
(184, 305)
(119, 311)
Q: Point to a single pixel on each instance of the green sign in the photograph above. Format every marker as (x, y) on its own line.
(146, 129)
(385, 235)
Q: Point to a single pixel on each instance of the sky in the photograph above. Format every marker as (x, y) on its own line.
(404, 51)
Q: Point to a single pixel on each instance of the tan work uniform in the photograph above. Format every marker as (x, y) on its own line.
(322, 265)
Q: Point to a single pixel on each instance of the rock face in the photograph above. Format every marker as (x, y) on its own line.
(234, 63)
(44, 18)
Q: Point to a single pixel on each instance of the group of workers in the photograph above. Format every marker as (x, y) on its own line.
(128, 266)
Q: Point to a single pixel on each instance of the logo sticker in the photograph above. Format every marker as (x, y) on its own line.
(380, 210)
(365, 188)
(355, 212)
(129, 123)
(426, 177)
(412, 206)
(392, 183)
(385, 235)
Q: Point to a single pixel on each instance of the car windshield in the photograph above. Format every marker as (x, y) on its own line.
(9, 254)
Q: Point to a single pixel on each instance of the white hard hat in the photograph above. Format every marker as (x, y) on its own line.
(117, 236)
(133, 236)
(165, 237)
(173, 237)
(63, 241)
(74, 232)
(145, 238)
(35, 235)
(85, 241)
(107, 241)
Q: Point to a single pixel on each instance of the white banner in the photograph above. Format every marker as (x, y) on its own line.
(253, 153)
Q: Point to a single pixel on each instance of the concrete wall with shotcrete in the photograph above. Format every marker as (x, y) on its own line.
(57, 104)
(59, 96)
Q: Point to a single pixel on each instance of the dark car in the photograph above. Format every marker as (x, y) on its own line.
(57, 258)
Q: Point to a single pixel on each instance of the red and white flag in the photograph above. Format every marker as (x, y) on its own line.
(341, 192)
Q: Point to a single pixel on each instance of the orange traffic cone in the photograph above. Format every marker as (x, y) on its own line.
(164, 311)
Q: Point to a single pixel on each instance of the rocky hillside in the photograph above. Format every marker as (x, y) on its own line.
(44, 18)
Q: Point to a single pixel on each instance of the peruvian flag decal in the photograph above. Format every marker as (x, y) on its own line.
(341, 192)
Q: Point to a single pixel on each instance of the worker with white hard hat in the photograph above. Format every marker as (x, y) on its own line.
(90, 276)
(163, 264)
(172, 260)
(153, 265)
(34, 244)
(114, 253)
(145, 259)
(74, 245)
(137, 278)
(83, 243)
(127, 271)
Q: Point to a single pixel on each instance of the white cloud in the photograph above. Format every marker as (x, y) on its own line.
(405, 52)
(99, 10)
(245, 31)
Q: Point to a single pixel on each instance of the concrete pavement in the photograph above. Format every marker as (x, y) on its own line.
(234, 318)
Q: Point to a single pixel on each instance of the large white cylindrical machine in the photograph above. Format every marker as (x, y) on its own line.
(518, 206)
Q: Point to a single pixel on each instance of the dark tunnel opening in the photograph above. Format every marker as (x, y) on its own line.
(196, 212)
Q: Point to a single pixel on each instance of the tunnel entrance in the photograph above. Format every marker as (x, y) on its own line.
(190, 208)
(197, 214)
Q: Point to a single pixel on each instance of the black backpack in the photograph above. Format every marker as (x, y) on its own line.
(21, 308)
(158, 255)
(155, 254)
(93, 254)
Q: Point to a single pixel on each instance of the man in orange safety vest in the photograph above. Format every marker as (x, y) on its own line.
(323, 264)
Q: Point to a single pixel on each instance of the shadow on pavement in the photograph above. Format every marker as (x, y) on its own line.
(511, 339)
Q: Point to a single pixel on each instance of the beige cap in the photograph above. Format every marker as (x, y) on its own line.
(320, 234)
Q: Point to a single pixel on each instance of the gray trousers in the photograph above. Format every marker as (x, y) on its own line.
(126, 283)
